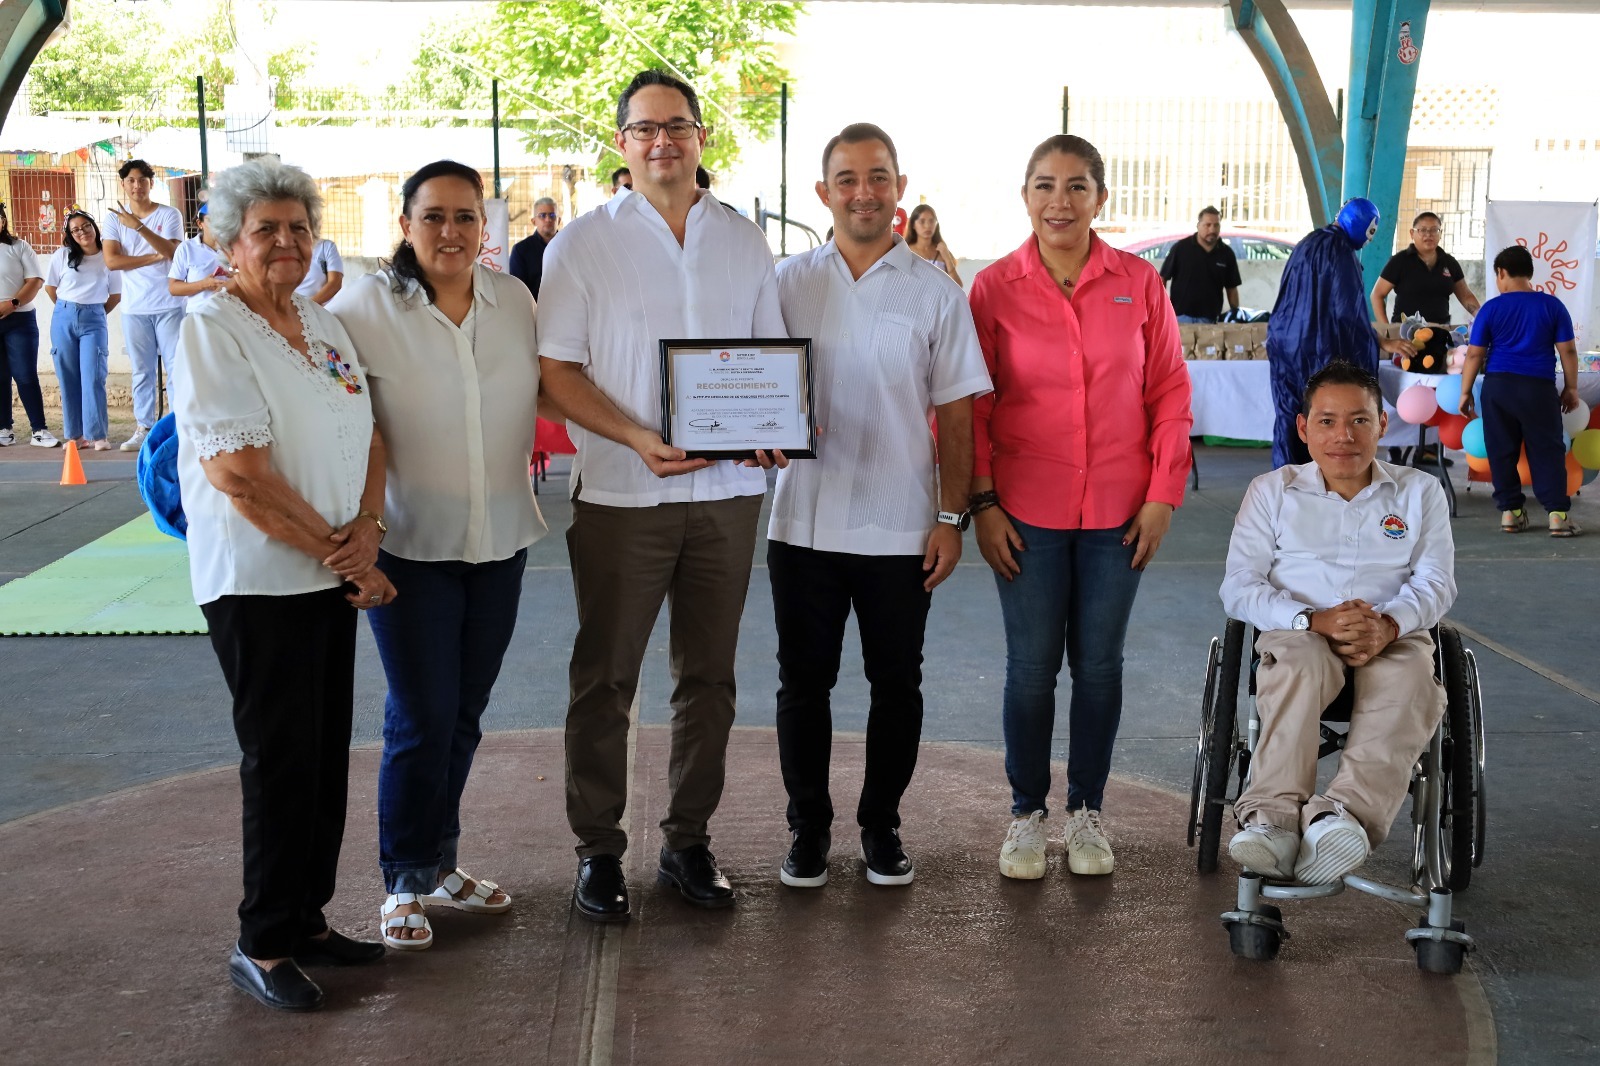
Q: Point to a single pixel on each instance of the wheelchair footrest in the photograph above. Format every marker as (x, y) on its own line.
(1266, 921)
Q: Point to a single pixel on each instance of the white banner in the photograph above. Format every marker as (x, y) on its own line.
(496, 251)
(1561, 238)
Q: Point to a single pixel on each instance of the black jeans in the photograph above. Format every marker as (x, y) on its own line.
(290, 664)
(812, 595)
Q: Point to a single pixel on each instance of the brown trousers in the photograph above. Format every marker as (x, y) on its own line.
(625, 561)
(1397, 707)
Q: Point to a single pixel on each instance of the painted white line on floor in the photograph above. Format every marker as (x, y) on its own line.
(1522, 660)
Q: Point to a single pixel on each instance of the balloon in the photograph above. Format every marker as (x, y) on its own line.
(1475, 463)
(1433, 419)
(1586, 449)
(1588, 476)
(1594, 418)
(1448, 394)
(1450, 427)
(1477, 392)
(1574, 475)
(1576, 420)
(1524, 471)
(1472, 439)
(1416, 404)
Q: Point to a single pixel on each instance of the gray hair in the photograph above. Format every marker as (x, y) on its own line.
(237, 189)
(541, 201)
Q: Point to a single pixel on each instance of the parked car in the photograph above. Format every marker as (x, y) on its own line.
(1246, 245)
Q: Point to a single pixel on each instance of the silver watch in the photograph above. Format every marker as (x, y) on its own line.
(1303, 619)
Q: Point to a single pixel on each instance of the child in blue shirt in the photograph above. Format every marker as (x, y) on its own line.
(1520, 331)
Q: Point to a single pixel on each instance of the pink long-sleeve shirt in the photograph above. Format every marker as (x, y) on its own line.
(1089, 419)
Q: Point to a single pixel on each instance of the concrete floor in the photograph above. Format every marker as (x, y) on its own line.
(792, 980)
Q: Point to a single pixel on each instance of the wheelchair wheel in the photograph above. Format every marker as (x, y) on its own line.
(1440, 956)
(1259, 942)
(1217, 745)
(1460, 818)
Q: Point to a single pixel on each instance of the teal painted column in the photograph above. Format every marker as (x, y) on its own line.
(25, 26)
(1386, 38)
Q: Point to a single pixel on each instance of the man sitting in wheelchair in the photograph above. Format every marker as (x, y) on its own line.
(1342, 565)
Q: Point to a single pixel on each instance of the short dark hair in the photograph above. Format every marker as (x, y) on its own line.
(1424, 216)
(1208, 210)
(617, 176)
(655, 77)
(136, 164)
(1069, 144)
(702, 178)
(1341, 372)
(1516, 261)
(856, 133)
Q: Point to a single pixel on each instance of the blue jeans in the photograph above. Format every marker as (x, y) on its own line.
(19, 362)
(80, 344)
(1196, 320)
(152, 340)
(441, 642)
(1073, 598)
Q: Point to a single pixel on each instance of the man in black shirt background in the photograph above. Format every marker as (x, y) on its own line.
(527, 255)
(1202, 268)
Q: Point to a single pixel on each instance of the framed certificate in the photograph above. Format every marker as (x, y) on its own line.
(723, 399)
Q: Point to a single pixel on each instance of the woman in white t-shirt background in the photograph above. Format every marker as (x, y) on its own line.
(20, 282)
(199, 268)
(84, 293)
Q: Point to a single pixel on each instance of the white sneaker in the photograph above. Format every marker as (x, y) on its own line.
(42, 438)
(7, 438)
(1265, 849)
(1088, 850)
(1331, 848)
(1022, 855)
(132, 443)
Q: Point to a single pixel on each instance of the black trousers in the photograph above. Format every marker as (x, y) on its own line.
(290, 664)
(812, 595)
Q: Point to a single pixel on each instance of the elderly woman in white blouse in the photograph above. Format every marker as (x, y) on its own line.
(449, 351)
(282, 480)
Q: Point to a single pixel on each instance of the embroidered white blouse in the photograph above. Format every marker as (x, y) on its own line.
(457, 406)
(236, 383)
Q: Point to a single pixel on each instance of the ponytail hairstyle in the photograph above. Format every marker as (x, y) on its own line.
(402, 265)
(75, 253)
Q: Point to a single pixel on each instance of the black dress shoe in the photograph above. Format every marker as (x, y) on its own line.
(283, 987)
(601, 894)
(887, 861)
(806, 865)
(693, 872)
(336, 949)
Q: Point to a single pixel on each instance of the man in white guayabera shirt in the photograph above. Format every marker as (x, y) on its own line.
(664, 261)
(140, 237)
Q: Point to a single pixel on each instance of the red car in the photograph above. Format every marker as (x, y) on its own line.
(1246, 245)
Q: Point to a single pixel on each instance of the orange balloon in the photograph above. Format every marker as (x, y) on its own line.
(1523, 470)
(1574, 475)
(1480, 465)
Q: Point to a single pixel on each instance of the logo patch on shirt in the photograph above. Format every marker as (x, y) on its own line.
(1122, 299)
(1445, 272)
(1394, 527)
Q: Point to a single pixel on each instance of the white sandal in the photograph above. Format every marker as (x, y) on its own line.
(405, 921)
(476, 902)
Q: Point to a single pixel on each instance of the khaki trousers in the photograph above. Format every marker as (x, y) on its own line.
(1398, 704)
(625, 561)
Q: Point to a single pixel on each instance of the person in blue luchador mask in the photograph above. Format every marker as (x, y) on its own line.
(1321, 316)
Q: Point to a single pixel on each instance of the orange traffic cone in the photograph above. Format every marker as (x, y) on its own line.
(72, 466)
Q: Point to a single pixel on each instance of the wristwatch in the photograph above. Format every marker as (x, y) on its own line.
(15, 302)
(1303, 619)
(960, 521)
(377, 520)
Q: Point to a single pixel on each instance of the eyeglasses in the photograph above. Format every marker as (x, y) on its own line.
(677, 129)
(1427, 232)
(545, 214)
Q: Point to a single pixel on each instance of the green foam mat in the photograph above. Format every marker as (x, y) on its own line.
(133, 580)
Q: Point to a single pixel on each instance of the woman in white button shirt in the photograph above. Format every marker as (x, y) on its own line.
(449, 348)
(281, 473)
(20, 282)
(84, 293)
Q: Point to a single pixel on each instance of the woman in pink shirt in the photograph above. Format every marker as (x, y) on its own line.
(1082, 454)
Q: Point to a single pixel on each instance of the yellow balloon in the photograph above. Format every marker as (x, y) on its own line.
(1586, 449)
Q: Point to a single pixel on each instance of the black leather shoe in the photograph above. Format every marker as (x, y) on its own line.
(336, 949)
(806, 865)
(887, 862)
(693, 872)
(601, 894)
(283, 987)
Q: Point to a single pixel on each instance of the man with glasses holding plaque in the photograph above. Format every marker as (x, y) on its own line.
(870, 524)
(527, 255)
(649, 523)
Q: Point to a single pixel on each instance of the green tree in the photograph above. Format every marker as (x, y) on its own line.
(562, 64)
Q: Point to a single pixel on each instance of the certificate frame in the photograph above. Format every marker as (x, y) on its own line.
(788, 357)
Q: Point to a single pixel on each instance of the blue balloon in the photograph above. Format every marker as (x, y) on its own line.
(1472, 439)
(1449, 394)
(1477, 392)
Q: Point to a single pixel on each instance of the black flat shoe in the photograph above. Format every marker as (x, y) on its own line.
(806, 865)
(601, 894)
(693, 872)
(283, 987)
(886, 860)
(336, 949)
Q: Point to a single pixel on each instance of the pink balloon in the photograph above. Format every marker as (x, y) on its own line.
(1417, 404)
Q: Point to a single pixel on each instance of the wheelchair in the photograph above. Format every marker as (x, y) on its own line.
(1447, 801)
